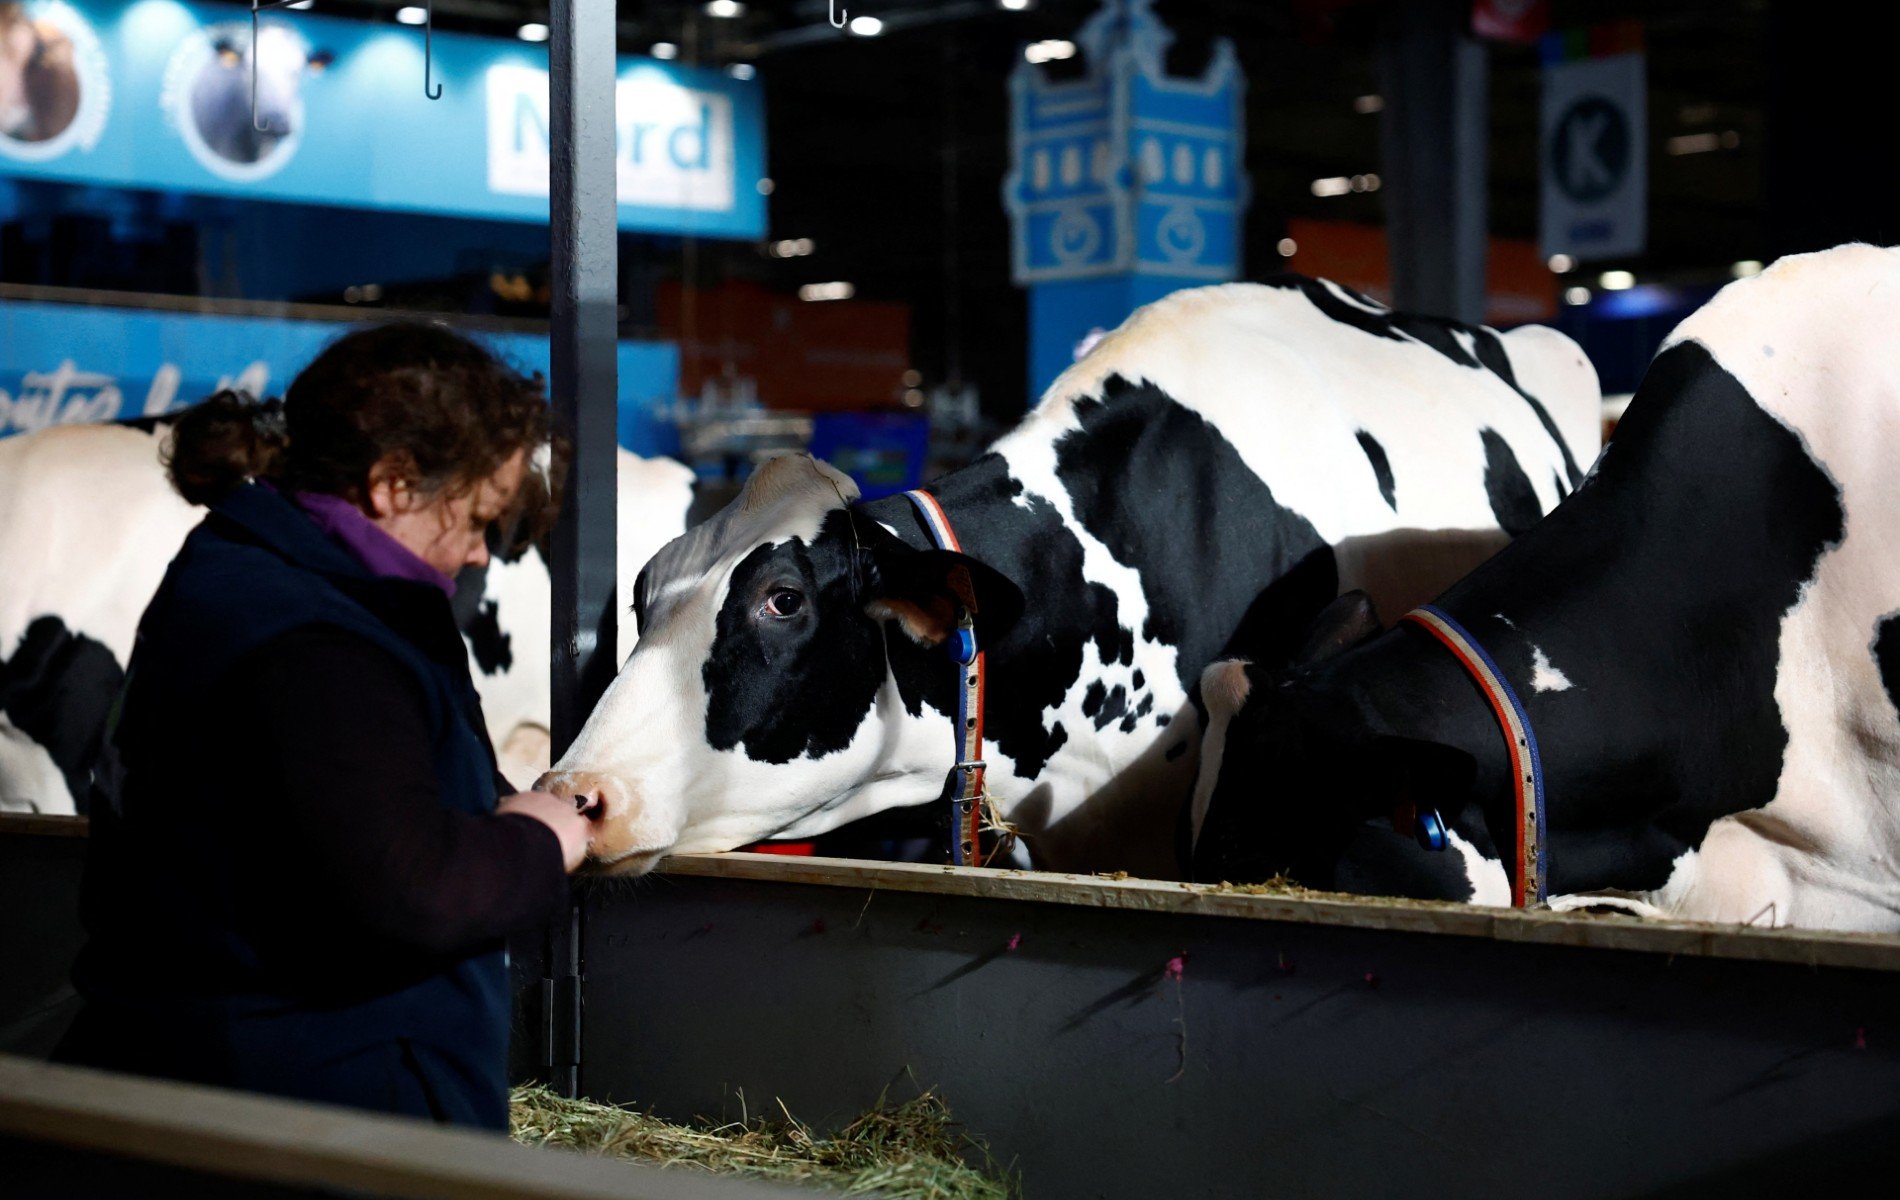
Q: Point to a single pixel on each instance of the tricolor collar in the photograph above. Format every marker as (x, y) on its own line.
(1530, 884)
(964, 787)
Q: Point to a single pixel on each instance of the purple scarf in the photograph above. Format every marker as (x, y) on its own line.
(349, 528)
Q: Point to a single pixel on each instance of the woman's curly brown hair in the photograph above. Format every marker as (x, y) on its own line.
(441, 407)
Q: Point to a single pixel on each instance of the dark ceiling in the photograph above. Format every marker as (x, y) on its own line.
(889, 151)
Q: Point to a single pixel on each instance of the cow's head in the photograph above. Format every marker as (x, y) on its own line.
(760, 698)
(1293, 766)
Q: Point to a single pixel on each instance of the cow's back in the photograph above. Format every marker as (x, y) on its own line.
(1414, 446)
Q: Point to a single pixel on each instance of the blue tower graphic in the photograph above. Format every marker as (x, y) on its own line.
(1124, 185)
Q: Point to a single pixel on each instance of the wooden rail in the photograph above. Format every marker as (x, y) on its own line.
(1869, 951)
(282, 1141)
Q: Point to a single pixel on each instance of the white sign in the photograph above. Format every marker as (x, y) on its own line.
(674, 145)
(1594, 146)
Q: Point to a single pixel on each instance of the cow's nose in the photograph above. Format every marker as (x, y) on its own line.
(599, 797)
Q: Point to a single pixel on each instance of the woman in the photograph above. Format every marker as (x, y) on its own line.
(304, 886)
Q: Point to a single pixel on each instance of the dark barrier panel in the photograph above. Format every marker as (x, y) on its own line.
(1141, 1053)
(40, 860)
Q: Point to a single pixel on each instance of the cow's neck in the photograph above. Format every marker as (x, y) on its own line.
(1640, 624)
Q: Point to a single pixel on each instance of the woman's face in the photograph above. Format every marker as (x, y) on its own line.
(447, 530)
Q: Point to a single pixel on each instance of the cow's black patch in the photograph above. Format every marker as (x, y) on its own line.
(1886, 650)
(1141, 681)
(492, 646)
(1114, 708)
(1146, 706)
(800, 686)
(1513, 500)
(1660, 590)
(1198, 505)
(1092, 699)
(1033, 666)
(1563, 489)
(1381, 467)
(58, 688)
(1467, 345)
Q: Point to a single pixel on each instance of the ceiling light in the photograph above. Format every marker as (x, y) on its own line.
(1338, 185)
(411, 15)
(665, 50)
(741, 70)
(1365, 106)
(1745, 269)
(827, 291)
(1048, 50)
(866, 26)
(533, 31)
(1287, 247)
(1562, 264)
(765, 186)
(724, 8)
(1616, 281)
(1013, 5)
(1577, 296)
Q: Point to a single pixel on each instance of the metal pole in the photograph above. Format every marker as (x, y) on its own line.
(583, 216)
(1433, 146)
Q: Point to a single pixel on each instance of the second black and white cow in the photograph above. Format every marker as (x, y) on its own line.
(1227, 447)
(1704, 639)
(88, 523)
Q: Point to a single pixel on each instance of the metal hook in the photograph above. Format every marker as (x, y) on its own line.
(838, 20)
(432, 91)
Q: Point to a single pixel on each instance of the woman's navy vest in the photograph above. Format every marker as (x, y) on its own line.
(430, 1042)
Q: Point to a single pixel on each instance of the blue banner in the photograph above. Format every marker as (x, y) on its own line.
(66, 364)
(157, 94)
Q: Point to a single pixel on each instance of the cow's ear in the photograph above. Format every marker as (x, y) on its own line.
(1341, 625)
(921, 590)
(1423, 773)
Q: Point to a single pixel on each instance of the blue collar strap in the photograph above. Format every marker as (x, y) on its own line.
(1531, 882)
(964, 787)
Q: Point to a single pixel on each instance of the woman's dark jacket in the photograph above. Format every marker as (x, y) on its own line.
(301, 889)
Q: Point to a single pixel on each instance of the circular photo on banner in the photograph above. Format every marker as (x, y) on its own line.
(54, 90)
(208, 96)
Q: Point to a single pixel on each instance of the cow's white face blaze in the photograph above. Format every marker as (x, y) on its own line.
(758, 699)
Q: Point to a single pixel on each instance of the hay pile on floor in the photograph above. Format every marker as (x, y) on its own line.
(912, 1150)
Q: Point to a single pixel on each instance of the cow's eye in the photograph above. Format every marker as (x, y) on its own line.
(782, 602)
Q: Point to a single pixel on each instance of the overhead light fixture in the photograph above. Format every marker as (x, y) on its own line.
(1287, 247)
(1562, 264)
(827, 291)
(1337, 185)
(1365, 106)
(791, 248)
(1702, 143)
(866, 26)
(742, 70)
(765, 186)
(300, 4)
(1048, 50)
(1746, 269)
(1013, 5)
(1577, 296)
(411, 15)
(665, 50)
(724, 8)
(1616, 281)
(533, 31)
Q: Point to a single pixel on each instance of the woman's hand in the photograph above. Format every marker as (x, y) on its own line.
(568, 824)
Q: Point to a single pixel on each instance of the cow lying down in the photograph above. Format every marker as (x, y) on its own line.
(1704, 641)
(1227, 447)
(88, 522)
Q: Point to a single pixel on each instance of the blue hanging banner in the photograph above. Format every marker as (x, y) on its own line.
(157, 94)
(64, 364)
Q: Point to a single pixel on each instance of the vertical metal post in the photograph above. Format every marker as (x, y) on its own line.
(584, 225)
(1433, 145)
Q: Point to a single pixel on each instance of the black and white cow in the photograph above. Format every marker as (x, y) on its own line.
(1705, 638)
(88, 523)
(1225, 444)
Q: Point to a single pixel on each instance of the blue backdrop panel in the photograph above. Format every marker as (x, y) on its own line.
(64, 364)
(164, 101)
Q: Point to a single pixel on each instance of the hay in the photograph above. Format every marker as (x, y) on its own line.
(911, 1150)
